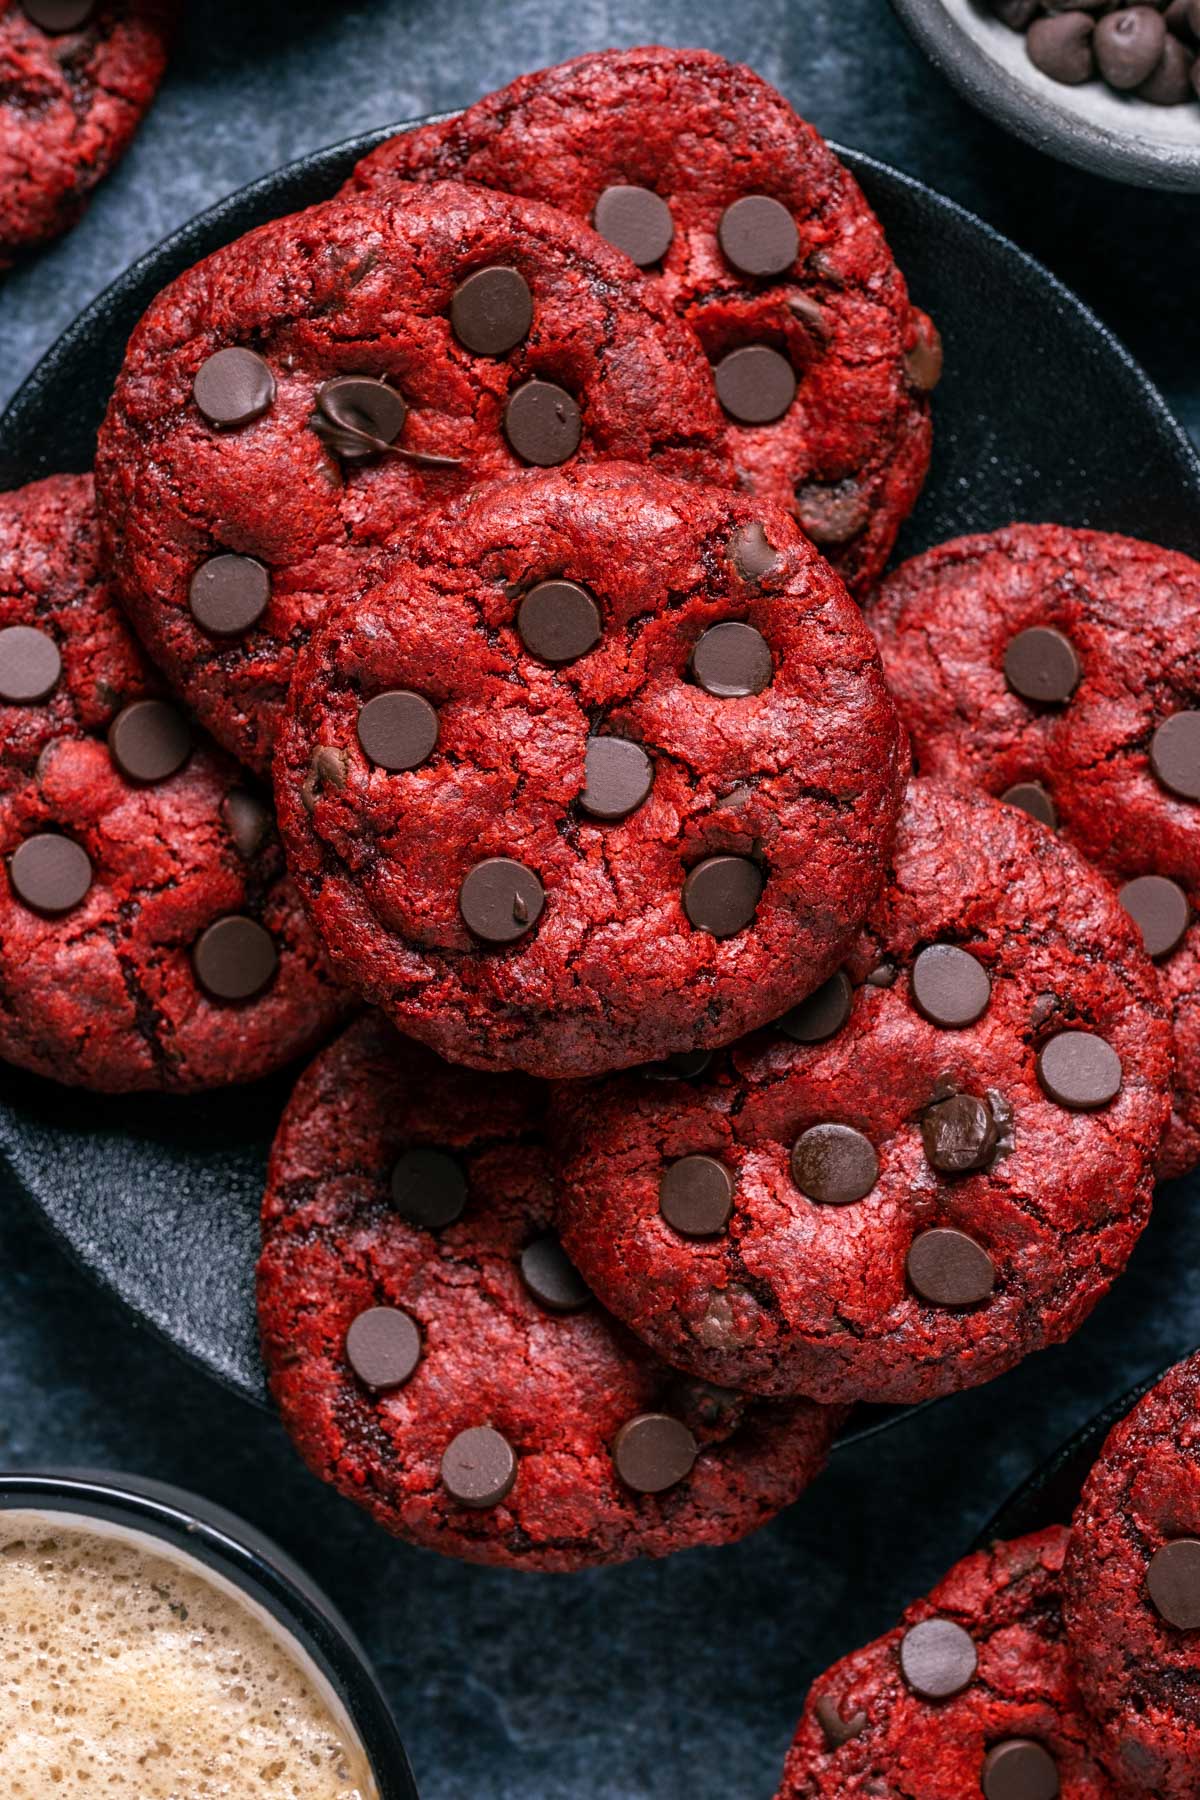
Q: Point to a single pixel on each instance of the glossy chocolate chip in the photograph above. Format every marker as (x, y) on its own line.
(1031, 797)
(1019, 1769)
(247, 820)
(937, 1659)
(358, 416)
(823, 1014)
(234, 959)
(1061, 47)
(732, 660)
(755, 385)
(30, 665)
(751, 553)
(695, 1196)
(543, 424)
(558, 622)
(1160, 910)
(721, 895)
(229, 594)
(834, 1164)
(1128, 46)
(149, 740)
(1041, 665)
(618, 777)
(758, 236)
(552, 1277)
(429, 1188)
(1079, 1070)
(654, 1452)
(948, 1268)
(1175, 754)
(959, 1134)
(233, 387)
(501, 900)
(950, 987)
(397, 730)
(1173, 1583)
(383, 1347)
(491, 311)
(50, 874)
(479, 1468)
(836, 1729)
(637, 221)
(59, 15)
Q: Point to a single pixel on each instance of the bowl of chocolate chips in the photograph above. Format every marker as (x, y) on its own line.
(1108, 85)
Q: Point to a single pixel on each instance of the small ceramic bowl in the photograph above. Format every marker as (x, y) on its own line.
(1111, 134)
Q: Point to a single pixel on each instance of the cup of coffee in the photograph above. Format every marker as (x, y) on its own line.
(156, 1645)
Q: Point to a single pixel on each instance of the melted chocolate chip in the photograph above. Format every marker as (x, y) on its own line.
(228, 594)
(234, 959)
(501, 900)
(923, 364)
(328, 766)
(751, 554)
(1042, 665)
(552, 1277)
(654, 1452)
(732, 660)
(543, 424)
(695, 1196)
(383, 1347)
(755, 385)
(950, 987)
(1080, 1071)
(358, 416)
(1175, 755)
(959, 1134)
(823, 1014)
(834, 1164)
(948, 1268)
(50, 874)
(1031, 797)
(937, 1659)
(1160, 910)
(721, 895)
(837, 1729)
(637, 221)
(479, 1468)
(558, 622)
(233, 387)
(491, 311)
(429, 1188)
(1019, 1769)
(618, 777)
(758, 236)
(149, 741)
(397, 730)
(30, 665)
(832, 512)
(1173, 1583)
(247, 820)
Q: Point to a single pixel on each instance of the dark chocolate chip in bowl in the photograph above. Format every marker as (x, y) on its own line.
(695, 1196)
(732, 660)
(383, 1347)
(228, 594)
(491, 311)
(637, 220)
(721, 895)
(397, 730)
(552, 1277)
(751, 553)
(59, 15)
(559, 621)
(1079, 1070)
(1171, 81)
(1041, 665)
(1031, 797)
(1160, 910)
(618, 777)
(1128, 45)
(937, 1659)
(1175, 754)
(30, 665)
(755, 385)
(233, 387)
(834, 1164)
(429, 1188)
(959, 1133)
(248, 821)
(1019, 1769)
(357, 416)
(1173, 1583)
(950, 987)
(1061, 47)
(501, 900)
(479, 1468)
(823, 1014)
(235, 958)
(149, 740)
(758, 236)
(948, 1268)
(653, 1452)
(838, 1730)
(543, 424)
(50, 874)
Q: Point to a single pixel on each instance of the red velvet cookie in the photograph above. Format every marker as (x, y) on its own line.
(149, 937)
(973, 1694)
(435, 1356)
(606, 770)
(287, 405)
(760, 239)
(75, 78)
(1061, 670)
(1132, 1590)
(933, 1167)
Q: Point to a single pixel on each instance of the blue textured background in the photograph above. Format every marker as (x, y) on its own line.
(512, 1686)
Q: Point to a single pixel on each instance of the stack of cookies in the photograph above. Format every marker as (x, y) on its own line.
(521, 514)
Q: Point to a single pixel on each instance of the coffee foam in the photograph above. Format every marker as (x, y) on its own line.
(126, 1670)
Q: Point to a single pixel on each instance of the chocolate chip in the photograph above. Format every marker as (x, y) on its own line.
(559, 621)
(1173, 1583)
(832, 512)
(834, 1164)
(732, 660)
(883, 975)
(1175, 754)
(959, 1133)
(695, 1196)
(491, 311)
(233, 386)
(618, 777)
(1031, 797)
(937, 1659)
(149, 740)
(721, 895)
(683, 1065)
(30, 665)
(950, 987)
(543, 424)
(1128, 46)
(923, 364)
(479, 1468)
(327, 767)
(838, 1730)
(235, 958)
(358, 416)
(383, 1347)
(637, 221)
(247, 820)
(50, 874)
(1160, 910)
(758, 236)
(397, 730)
(1019, 1769)
(501, 900)
(59, 15)
(229, 594)
(552, 1277)
(948, 1268)
(429, 1188)
(1170, 83)
(1016, 13)
(653, 1452)
(755, 385)
(823, 1014)
(1041, 665)
(1079, 1070)
(751, 553)
(1062, 48)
